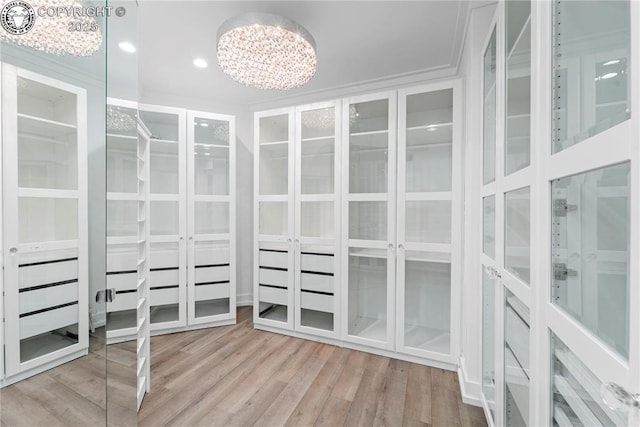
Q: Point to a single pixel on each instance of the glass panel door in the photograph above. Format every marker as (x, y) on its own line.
(167, 215)
(211, 156)
(273, 293)
(317, 218)
(490, 231)
(426, 146)
(369, 153)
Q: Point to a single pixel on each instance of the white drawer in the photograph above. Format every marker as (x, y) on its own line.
(274, 277)
(274, 259)
(164, 258)
(316, 282)
(320, 263)
(164, 296)
(209, 292)
(207, 255)
(122, 282)
(212, 274)
(164, 278)
(122, 260)
(121, 302)
(41, 274)
(316, 302)
(48, 321)
(273, 295)
(47, 297)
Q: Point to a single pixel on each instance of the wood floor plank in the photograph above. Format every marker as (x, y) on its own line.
(334, 412)
(309, 408)
(364, 406)
(417, 404)
(391, 407)
(285, 403)
(350, 378)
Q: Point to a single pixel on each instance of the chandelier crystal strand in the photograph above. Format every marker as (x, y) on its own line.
(118, 120)
(266, 51)
(50, 34)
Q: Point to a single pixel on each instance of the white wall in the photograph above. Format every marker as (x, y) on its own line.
(471, 70)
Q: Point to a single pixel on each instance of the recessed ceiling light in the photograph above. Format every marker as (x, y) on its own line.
(609, 75)
(127, 47)
(612, 62)
(200, 63)
(204, 124)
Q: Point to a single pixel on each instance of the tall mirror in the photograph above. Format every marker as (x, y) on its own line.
(54, 67)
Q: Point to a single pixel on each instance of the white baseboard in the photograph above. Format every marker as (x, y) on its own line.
(244, 299)
(470, 390)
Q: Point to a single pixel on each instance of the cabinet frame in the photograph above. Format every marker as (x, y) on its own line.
(190, 207)
(14, 369)
(454, 248)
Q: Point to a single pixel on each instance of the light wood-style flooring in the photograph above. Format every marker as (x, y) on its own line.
(238, 376)
(76, 393)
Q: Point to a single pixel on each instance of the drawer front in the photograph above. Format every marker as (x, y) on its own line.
(274, 277)
(212, 274)
(274, 259)
(161, 257)
(319, 263)
(42, 274)
(48, 321)
(211, 255)
(209, 292)
(164, 296)
(316, 282)
(122, 282)
(273, 295)
(121, 302)
(164, 277)
(122, 260)
(316, 302)
(39, 299)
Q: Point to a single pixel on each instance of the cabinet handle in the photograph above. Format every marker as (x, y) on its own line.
(401, 247)
(391, 246)
(13, 251)
(616, 397)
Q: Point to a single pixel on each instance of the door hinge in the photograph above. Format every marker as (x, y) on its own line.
(561, 207)
(106, 295)
(561, 272)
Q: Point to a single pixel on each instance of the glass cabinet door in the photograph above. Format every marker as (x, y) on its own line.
(517, 372)
(317, 218)
(424, 215)
(45, 198)
(122, 143)
(167, 194)
(211, 165)
(369, 255)
(274, 211)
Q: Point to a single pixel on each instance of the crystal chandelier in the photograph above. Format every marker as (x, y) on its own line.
(325, 118)
(51, 34)
(119, 120)
(266, 51)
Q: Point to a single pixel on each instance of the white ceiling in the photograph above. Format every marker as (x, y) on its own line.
(356, 41)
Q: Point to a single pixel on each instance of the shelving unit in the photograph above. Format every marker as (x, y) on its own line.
(45, 277)
(143, 274)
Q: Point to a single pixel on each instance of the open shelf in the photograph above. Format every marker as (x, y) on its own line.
(211, 307)
(424, 338)
(31, 125)
(277, 313)
(44, 344)
(370, 328)
(164, 313)
(316, 319)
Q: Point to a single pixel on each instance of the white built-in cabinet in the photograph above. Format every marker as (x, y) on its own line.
(44, 176)
(357, 216)
(297, 183)
(191, 190)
